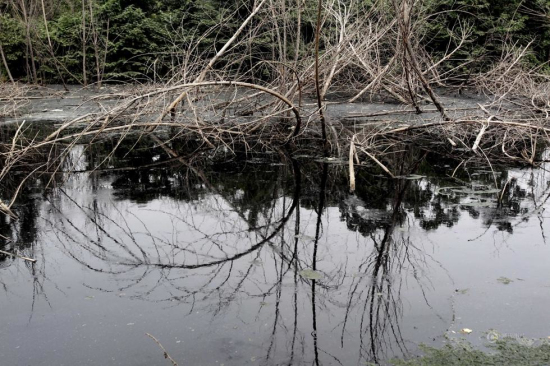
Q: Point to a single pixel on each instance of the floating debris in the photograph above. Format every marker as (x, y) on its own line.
(505, 280)
(310, 274)
(306, 237)
(478, 204)
(414, 177)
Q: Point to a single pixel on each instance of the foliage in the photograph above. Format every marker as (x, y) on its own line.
(12, 39)
(505, 352)
(143, 39)
(494, 25)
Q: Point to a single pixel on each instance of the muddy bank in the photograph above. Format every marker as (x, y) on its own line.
(55, 105)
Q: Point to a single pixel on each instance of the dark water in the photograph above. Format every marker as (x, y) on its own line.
(270, 262)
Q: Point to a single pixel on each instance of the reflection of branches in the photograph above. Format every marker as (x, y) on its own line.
(25, 236)
(117, 247)
(383, 312)
(225, 243)
(295, 280)
(376, 285)
(524, 195)
(314, 262)
(266, 239)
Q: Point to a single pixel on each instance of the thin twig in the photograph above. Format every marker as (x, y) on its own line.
(166, 355)
(18, 256)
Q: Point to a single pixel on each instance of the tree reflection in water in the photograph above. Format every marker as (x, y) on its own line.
(233, 236)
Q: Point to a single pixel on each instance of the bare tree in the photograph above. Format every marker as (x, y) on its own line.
(84, 43)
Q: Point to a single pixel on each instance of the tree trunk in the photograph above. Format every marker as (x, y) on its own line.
(50, 46)
(5, 62)
(298, 32)
(84, 79)
(95, 42)
(317, 82)
(28, 40)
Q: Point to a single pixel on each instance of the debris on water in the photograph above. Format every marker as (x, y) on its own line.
(478, 204)
(414, 177)
(256, 262)
(505, 280)
(310, 274)
(445, 191)
(306, 237)
(332, 161)
(489, 191)
(476, 191)
(466, 331)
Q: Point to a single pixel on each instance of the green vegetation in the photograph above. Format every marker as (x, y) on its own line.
(503, 352)
(87, 41)
(493, 25)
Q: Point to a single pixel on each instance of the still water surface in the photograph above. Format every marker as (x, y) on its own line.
(271, 263)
